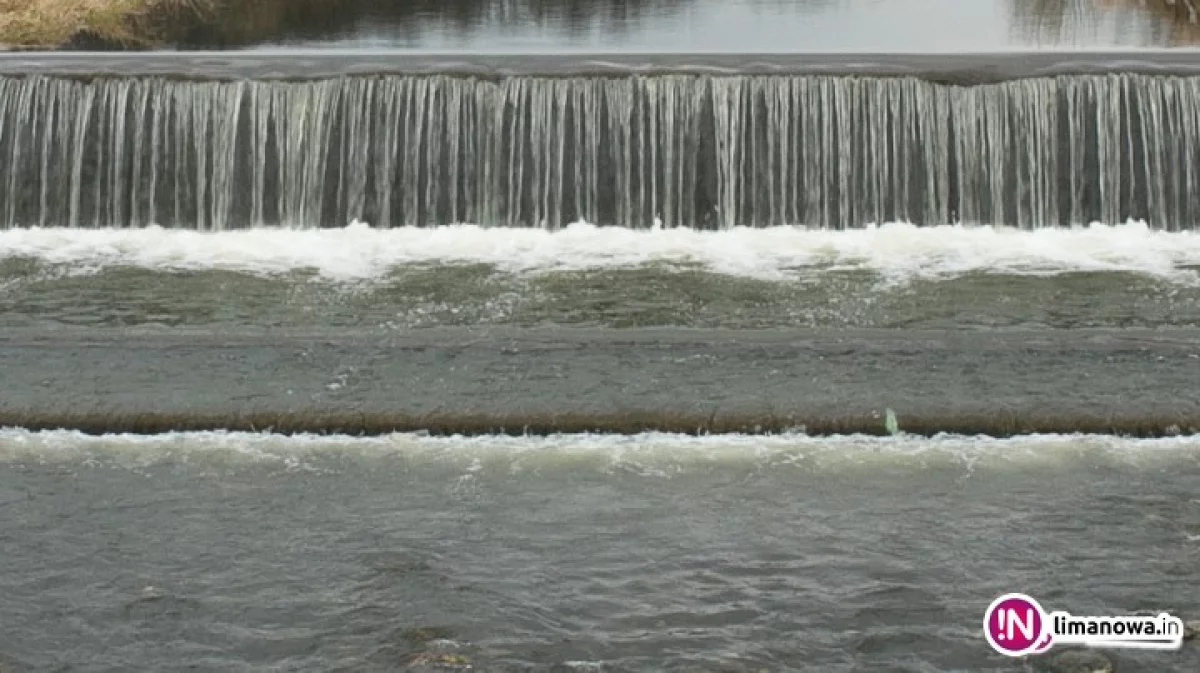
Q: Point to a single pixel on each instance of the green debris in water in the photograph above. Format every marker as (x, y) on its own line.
(440, 660)
(425, 634)
(891, 424)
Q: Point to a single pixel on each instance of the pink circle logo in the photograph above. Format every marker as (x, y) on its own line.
(1016, 625)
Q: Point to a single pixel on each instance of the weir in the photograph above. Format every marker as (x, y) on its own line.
(609, 145)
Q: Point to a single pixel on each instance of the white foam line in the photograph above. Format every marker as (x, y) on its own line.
(358, 252)
(652, 454)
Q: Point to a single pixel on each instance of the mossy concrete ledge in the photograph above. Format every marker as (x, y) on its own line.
(476, 423)
(101, 24)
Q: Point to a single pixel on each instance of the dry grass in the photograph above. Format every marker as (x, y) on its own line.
(140, 24)
(120, 23)
(626, 423)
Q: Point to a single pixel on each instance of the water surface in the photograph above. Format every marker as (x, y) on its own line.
(723, 25)
(575, 553)
(254, 551)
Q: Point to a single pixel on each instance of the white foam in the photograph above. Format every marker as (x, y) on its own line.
(358, 252)
(650, 454)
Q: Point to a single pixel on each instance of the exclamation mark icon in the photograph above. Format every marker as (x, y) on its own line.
(1014, 623)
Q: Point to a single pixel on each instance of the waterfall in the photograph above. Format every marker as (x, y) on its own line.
(704, 151)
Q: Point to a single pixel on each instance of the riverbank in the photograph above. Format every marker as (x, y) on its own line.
(147, 24)
(100, 24)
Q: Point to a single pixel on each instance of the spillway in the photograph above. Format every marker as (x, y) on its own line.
(717, 144)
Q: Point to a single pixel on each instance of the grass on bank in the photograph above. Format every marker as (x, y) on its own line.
(128, 23)
(142, 24)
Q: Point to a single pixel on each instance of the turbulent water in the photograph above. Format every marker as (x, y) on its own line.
(896, 275)
(548, 251)
(694, 150)
(940, 321)
(571, 553)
